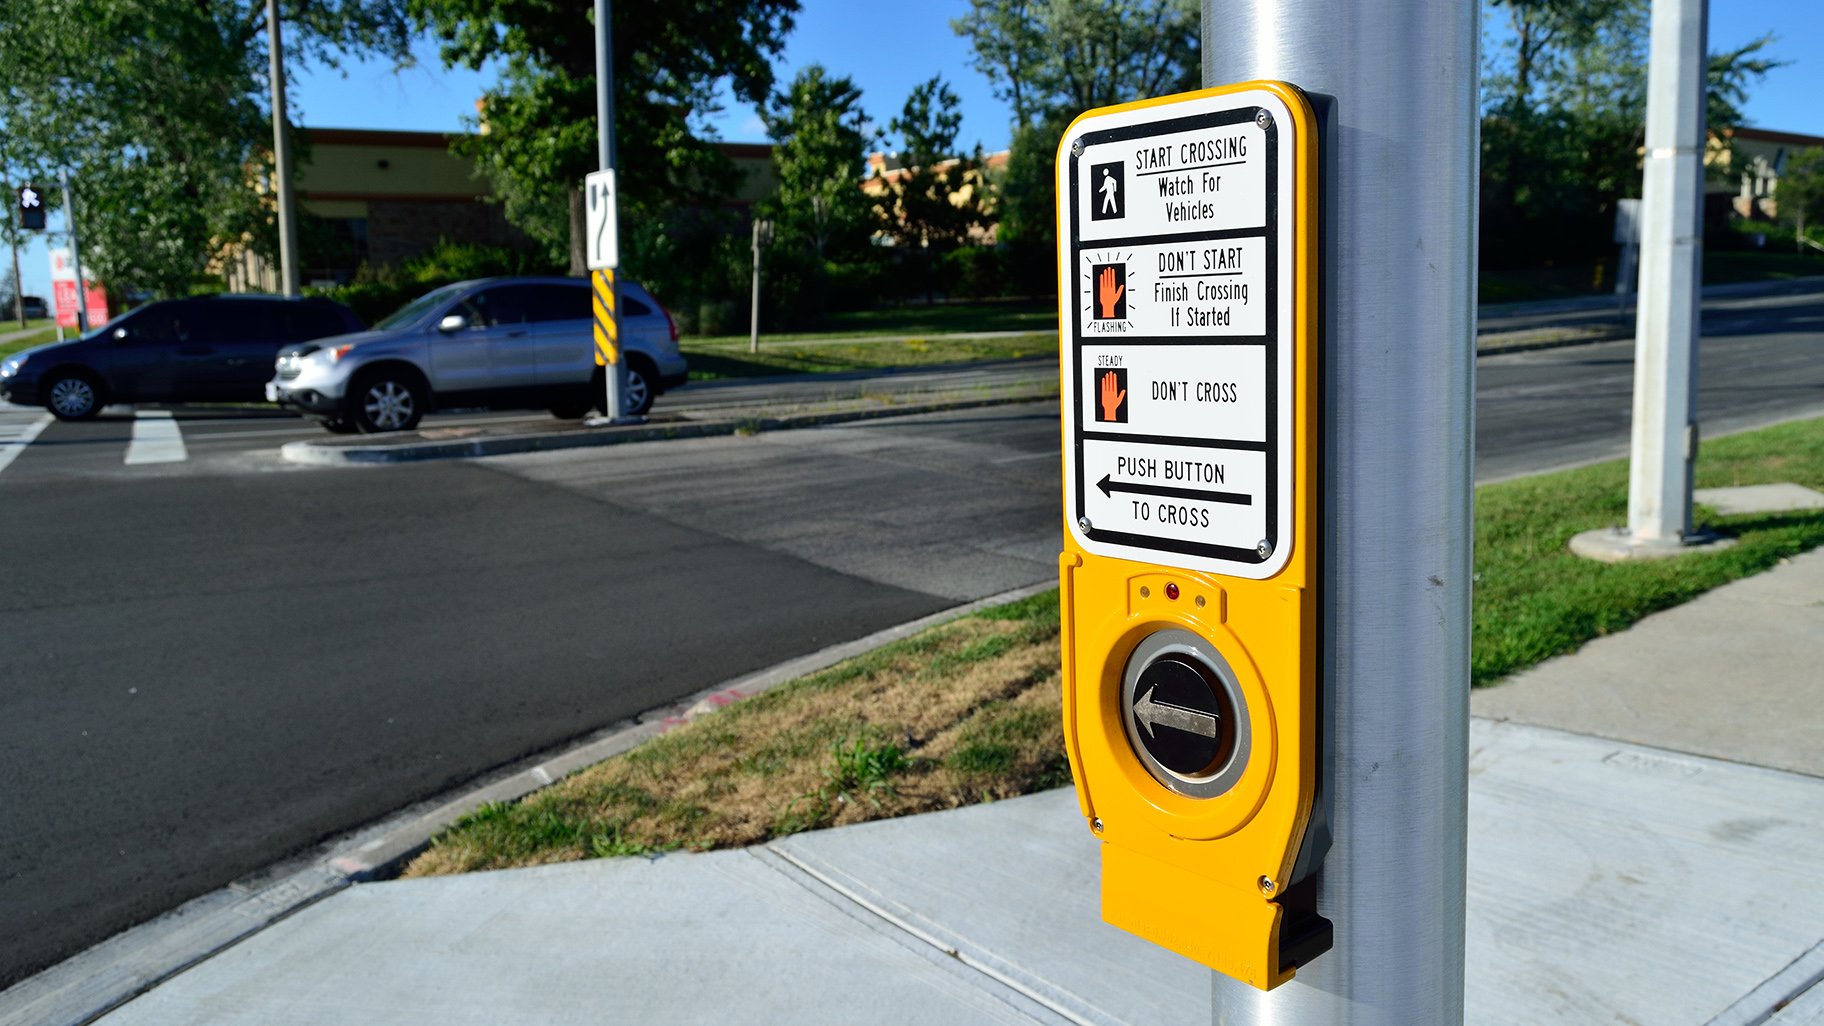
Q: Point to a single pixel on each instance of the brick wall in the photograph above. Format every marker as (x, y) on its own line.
(399, 230)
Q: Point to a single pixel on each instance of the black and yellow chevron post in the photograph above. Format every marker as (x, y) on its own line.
(607, 330)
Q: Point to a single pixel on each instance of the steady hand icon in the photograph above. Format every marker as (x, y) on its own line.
(1107, 292)
(1111, 399)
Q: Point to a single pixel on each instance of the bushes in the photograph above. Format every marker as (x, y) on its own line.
(377, 292)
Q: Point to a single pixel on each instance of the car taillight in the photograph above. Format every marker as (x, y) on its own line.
(669, 323)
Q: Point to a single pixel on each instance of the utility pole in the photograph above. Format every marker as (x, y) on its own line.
(18, 283)
(281, 155)
(1671, 279)
(763, 234)
(12, 236)
(82, 285)
(1398, 206)
(607, 297)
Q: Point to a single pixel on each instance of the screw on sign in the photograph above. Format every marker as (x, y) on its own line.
(31, 208)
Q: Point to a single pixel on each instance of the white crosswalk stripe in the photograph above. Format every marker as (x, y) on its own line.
(156, 439)
(19, 425)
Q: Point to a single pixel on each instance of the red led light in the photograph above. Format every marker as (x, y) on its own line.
(1171, 590)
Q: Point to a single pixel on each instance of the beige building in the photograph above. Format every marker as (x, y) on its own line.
(388, 196)
(1763, 154)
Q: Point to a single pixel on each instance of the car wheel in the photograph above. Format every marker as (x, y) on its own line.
(636, 398)
(387, 400)
(73, 396)
(339, 426)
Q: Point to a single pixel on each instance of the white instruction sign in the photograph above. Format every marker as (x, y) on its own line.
(1177, 267)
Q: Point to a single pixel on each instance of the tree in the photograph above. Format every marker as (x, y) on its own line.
(163, 137)
(938, 199)
(1800, 194)
(1045, 55)
(1564, 120)
(1053, 59)
(539, 123)
(820, 141)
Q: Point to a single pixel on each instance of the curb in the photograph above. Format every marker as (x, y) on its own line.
(332, 454)
(91, 984)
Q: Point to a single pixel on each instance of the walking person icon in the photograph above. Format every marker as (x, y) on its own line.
(1110, 188)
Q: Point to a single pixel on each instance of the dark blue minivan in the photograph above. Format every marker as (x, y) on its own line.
(201, 349)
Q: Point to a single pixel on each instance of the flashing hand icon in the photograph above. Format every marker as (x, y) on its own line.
(1107, 292)
(1111, 399)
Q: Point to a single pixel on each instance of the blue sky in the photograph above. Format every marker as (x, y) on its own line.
(889, 48)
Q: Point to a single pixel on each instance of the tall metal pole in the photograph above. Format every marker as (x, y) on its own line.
(12, 236)
(753, 321)
(82, 285)
(1671, 278)
(18, 283)
(1397, 89)
(614, 374)
(281, 154)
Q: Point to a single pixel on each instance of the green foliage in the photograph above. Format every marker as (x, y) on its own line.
(938, 200)
(670, 57)
(1050, 56)
(1028, 206)
(1564, 110)
(376, 293)
(1050, 60)
(819, 213)
(1800, 194)
(163, 137)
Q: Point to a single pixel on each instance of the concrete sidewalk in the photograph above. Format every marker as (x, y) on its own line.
(1630, 860)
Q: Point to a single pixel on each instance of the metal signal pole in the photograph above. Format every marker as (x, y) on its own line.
(1395, 84)
(82, 285)
(607, 297)
(281, 155)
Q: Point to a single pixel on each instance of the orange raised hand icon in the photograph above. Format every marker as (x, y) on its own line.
(1107, 292)
(1111, 399)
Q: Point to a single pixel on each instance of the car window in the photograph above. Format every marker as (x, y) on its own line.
(154, 325)
(416, 308)
(308, 321)
(504, 305)
(634, 307)
(547, 303)
(228, 321)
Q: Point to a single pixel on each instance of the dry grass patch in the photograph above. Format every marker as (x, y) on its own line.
(962, 713)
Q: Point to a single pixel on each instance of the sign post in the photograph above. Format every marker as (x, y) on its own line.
(602, 225)
(1395, 86)
(82, 306)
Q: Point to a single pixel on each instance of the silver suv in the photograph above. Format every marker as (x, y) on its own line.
(506, 343)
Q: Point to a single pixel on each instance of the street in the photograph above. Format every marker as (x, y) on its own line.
(215, 658)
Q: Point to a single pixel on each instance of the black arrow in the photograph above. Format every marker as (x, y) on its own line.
(1233, 498)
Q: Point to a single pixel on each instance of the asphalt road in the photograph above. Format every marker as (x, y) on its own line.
(214, 662)
(1761, 360)
(214, 658)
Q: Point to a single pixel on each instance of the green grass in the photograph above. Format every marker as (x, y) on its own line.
(1722, 267)
(712, 360)
(961, 713)
(36, 338)
(916, 319)
(1535, 600)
